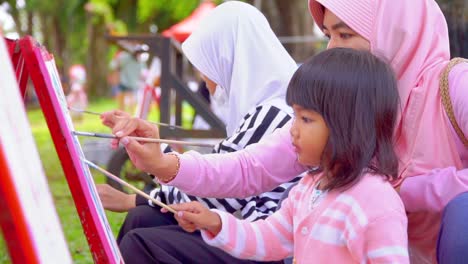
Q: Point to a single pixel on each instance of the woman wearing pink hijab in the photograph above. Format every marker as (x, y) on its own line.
(412, 36)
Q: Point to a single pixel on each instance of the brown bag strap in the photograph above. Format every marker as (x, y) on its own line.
(445, 95)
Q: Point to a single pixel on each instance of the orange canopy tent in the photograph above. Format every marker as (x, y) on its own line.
(182, 30)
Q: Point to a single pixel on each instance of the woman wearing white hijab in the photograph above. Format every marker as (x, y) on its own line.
(247, 70)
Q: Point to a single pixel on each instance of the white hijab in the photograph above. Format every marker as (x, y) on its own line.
(235, 47)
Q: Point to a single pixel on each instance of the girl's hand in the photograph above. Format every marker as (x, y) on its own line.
(194, 215)
(114, 200)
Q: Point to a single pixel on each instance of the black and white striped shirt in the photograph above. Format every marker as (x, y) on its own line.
(261, 121)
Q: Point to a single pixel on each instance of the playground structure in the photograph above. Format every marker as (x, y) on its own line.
(173, 92)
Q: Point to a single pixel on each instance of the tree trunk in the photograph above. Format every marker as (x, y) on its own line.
(291, 19)
(59, 46)
(456, 13)
(16, 17)
(96, 65)
(45, 30)
(30, 16)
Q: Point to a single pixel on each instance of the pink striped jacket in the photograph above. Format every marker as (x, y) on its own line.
(364, 224)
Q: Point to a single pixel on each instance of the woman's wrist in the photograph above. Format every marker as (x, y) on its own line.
(169, 167)
(131, 201)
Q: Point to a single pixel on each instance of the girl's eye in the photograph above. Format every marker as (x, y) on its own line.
(305, 119)
(346, 35)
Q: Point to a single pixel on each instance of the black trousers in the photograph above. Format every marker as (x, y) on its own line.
(149, 236)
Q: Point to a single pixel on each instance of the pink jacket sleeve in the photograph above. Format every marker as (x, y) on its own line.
(256, 169)
(377, 243)
(269, 239)
(434, 191)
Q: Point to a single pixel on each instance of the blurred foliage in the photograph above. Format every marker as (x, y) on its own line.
(63, 26)
(164, 13)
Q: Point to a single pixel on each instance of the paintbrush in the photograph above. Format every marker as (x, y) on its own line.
(96, 113)
(112, 176)
(142, 139)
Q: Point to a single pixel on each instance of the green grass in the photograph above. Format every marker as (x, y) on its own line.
(58, 186)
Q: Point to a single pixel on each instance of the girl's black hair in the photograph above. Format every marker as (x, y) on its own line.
(356, 94)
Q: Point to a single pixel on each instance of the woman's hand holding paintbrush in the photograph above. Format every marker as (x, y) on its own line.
(145, 156)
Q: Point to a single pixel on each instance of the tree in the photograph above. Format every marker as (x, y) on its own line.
(138, 16)
(53, 23)
(456, 13)
(291, 19)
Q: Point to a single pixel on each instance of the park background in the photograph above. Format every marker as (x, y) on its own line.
(74, 31)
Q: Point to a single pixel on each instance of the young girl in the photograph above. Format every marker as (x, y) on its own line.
(344, 210)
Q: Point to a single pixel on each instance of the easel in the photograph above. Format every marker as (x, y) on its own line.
(28, 218)
(172, 62)
(40, 66)
(150, 91)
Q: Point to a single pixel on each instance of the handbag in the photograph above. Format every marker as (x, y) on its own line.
(445, 96)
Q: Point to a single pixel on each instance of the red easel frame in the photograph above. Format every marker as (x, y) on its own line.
(47, 86)
(27, 215)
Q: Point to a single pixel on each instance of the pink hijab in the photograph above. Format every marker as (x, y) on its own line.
(412, 36)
